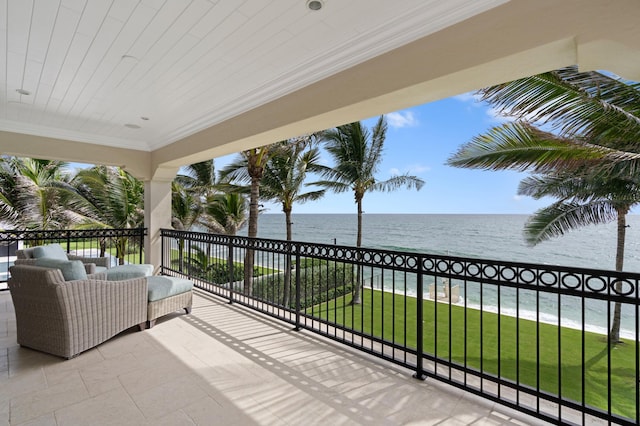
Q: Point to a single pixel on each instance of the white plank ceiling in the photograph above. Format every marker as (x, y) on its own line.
(96, 70)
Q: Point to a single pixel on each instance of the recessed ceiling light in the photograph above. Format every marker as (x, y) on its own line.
(314, 4)
(132, 126)
(23, 91)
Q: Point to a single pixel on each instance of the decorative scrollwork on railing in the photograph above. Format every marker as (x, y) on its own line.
(64, 234)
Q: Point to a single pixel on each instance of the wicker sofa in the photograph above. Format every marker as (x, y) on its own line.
(65, 318)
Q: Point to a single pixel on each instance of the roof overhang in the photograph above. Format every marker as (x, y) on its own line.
(379, 60)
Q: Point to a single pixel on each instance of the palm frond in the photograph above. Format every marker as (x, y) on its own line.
(520, 146)
(236, 170)
(310, 196)
(581, 187)
(333, 185)
(592, 105)
(397, 182)
(562, 217)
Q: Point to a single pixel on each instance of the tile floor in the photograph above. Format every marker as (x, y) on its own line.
(223, 365)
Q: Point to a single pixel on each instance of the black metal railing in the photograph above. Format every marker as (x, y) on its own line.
(532, 337)
(122, 245)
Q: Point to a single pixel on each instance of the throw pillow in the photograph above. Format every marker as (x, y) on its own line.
(51, 251)
(71, 269)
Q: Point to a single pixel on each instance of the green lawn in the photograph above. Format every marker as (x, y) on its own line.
(370, 317)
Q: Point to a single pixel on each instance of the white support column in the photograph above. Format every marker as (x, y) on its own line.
(157, 215)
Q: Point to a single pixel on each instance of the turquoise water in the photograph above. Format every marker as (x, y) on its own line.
(497, 237)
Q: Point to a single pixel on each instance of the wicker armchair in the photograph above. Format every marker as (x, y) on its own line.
(92, 264)
(65, 318)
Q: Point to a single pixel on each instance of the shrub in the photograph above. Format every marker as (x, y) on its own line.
(320, 281)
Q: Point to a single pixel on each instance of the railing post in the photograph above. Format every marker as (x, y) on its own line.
(231, 268)
(297, 328)
(189, 266)
(141, 245)
(162, 252)
(419, 319)
(68, 242)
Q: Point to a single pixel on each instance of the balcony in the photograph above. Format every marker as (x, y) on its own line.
(244, 362)
(227, 363)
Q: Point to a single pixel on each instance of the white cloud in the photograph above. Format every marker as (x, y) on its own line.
(496, 116)
(402, 119)
(411, 170)
(418, 168)
(506, 116)
(517, 197)
(470, 97)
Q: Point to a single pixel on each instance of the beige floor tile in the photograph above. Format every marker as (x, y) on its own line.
(206, 411)
(35, 404)
(21, 384)
(110, 408)
(129, 342)
(4, 361)
(252, 410)
(46, 420)
(169, 396)
(322, 411)
(102, 376)
(112, 367)
(97, 386)
(24, 360)
(4, 411)
(419, 415)
(226, 365)
(177, 418)
(60, 368)
(157, 371)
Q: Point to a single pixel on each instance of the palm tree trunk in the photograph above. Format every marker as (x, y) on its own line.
(357, 299)
(614, 334)
(180, 254)
(287, 266)
(121, 250)
(252, 233)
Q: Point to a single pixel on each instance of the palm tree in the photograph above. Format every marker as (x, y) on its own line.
(197, 200)
(590, 119)
(357, 154)
(582, 201)
(226, 213)
(112, 198)
(198, 178)
(186, 211)
(249, 166)
(35, 194)
(186, 208)
(592, 123)
(8, 213)
(283, 181)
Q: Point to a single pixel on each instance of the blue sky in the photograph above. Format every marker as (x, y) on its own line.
(419, 141)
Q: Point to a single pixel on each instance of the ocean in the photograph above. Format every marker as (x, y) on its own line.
(496, 237)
